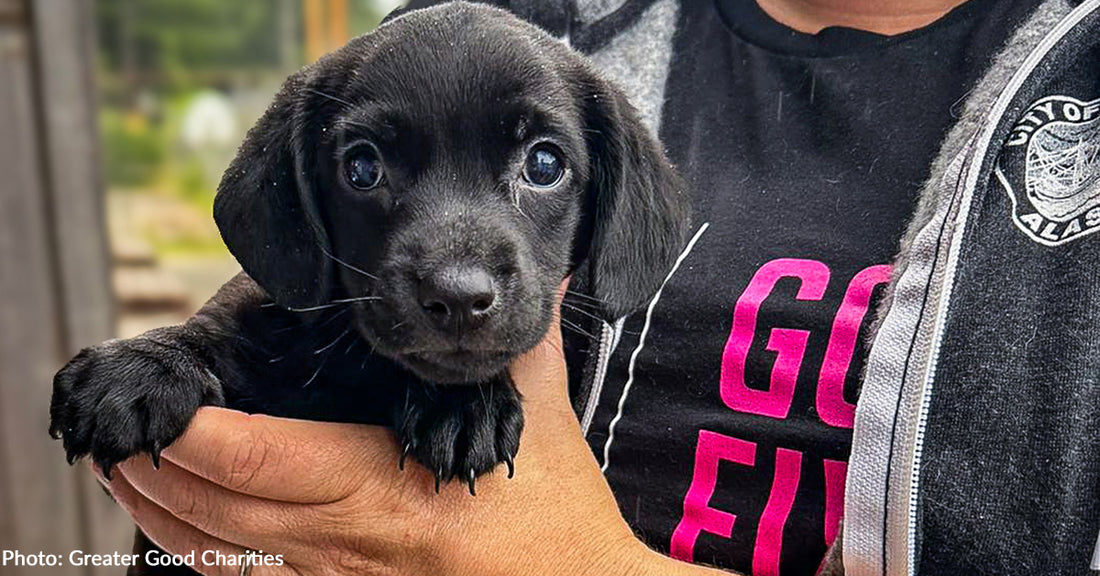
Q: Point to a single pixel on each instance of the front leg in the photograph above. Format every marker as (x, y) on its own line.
(123, 397)
(460, 431)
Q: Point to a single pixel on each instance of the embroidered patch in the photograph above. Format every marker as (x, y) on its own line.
(1050, 168)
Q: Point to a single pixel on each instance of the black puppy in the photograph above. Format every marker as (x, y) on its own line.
(404, 213)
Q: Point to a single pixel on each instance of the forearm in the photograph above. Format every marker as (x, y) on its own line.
(651, 563)
(621, 554)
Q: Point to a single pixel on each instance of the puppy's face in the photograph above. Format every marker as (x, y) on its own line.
(453, 181)
(445, 173)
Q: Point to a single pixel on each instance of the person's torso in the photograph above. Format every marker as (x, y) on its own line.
(724, 420)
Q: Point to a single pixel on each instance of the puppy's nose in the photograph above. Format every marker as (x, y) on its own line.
(458, 298)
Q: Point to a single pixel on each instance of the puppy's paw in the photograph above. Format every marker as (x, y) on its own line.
(123, 397)
(461, 432)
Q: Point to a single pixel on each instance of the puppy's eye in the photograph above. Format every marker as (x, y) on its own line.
(363, 168)
(543, 168)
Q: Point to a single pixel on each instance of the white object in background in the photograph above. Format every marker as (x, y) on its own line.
(387, 6)
(209, 120)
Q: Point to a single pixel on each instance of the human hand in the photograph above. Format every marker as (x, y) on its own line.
(329, 497)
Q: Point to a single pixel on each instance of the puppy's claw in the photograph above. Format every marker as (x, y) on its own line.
(71, 457)
(55, 432)
(511, 466)
(438, 475)
(404, 454)
(470, 476)
(105, 468)
(155, 455)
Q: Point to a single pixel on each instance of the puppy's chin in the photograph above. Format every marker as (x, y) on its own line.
(456, 366)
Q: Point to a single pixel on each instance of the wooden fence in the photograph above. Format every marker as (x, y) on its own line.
(55, 295)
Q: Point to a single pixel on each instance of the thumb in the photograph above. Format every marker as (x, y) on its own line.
(540, 373)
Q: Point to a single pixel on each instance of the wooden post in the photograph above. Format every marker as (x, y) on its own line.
(337, 23)
(54, 276)
(313, 14)
(326, 26)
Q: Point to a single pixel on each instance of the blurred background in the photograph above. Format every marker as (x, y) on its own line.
(117, 118)
(178, 83)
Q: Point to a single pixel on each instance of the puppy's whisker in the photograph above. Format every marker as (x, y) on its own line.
(347, 350)
(329, 96)
(584, 296)
(575, 302)
(335, 303)
(331, 319)
(367, 356)
(313, 308)
(346, 265)
(315, 373)
(581, 311)
(333, 343)
(567, 324)
(356, 299)
(578, 331)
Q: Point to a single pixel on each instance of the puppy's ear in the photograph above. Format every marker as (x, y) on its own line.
(638, 208)
(265, 206)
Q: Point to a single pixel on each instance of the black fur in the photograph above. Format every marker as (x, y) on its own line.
(452, 98)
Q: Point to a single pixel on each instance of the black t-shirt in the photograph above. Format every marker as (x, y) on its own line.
(725, 434)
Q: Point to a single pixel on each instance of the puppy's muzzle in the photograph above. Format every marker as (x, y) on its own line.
(458, 299)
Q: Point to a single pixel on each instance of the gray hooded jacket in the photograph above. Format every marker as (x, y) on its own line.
(976, 446)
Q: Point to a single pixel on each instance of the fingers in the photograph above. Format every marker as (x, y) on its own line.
(255, 455)
(223, 514)
(177, 537)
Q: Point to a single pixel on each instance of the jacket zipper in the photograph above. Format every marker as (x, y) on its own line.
(608, 340)
(996, 115)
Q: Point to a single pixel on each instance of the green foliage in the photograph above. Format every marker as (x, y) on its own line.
(178, 44)
(154, 57)
(193, 181)
(177, 38)
(133, 150)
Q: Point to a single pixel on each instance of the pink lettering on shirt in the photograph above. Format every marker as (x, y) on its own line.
(698, 517)
(789, 344)
(769, 533)
(831, 406)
